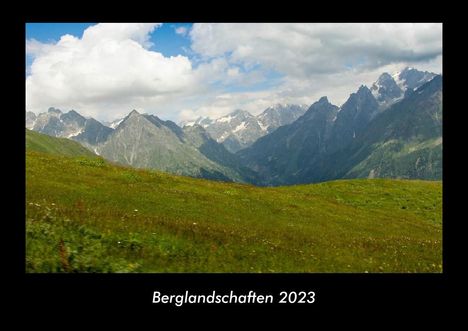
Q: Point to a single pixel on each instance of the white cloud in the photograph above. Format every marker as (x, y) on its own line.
(304, 49)
(233, 72)
(187, 114)
(103, 32)
(106, 73)
(36, 48)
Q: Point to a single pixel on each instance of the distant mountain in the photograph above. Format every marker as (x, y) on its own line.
(280, 156)
(359, 140)
(236, 130)
(239, 129)
(403, 142)
(389, 89)
(279, 115)
(386, 91)
(145, 141)
(202, 121)
(410, 78)
(70, 125)
(30, 119)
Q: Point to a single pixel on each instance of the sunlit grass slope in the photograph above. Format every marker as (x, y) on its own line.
(87, 215)
(61, 146)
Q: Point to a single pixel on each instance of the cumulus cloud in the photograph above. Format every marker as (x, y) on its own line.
(106, 72)
(36, 48)
(304, 49)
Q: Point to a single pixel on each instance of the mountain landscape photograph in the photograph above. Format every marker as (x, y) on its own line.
(233, 148)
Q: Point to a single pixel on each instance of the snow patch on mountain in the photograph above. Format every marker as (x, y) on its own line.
(226, 119)
(263, 126)
(76, 133)
(240, 127)
(115, 123)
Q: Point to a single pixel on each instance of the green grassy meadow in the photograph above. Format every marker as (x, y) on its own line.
(84, 214)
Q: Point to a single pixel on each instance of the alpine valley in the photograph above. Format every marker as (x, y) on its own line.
(391, 130)
(120, 197)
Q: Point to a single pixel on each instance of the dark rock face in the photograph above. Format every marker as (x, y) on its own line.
(281, 156)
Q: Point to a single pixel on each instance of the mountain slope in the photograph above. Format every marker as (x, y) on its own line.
(215, 152)
(44, 143)
(145, 141)
(235, 130)
(118, 219)
(280, 156)
(404, 141)
(278, 115)
(353, 118)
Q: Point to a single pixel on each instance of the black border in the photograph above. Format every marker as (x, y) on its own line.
(361, 294)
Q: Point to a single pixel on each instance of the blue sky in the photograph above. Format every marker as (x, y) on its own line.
(165, 39)
(217, 67)
(51, 32)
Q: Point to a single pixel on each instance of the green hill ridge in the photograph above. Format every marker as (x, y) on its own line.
(47, 144)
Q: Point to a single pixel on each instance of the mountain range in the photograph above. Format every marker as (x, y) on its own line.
(240, 129)
(72, 125)
(357, 140)
(392, 129)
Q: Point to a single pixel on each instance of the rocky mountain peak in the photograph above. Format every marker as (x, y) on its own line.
(241, 113)
(411, 78)
(55, 111)
(323, 100)
(384, 78)
(134, 113)
(385, 90)
(362, 95)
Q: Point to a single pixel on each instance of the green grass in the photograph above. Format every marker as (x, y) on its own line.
(42, 143)
(87, 215)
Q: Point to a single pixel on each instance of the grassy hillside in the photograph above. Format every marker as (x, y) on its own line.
(86, 215)
(43, 143)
